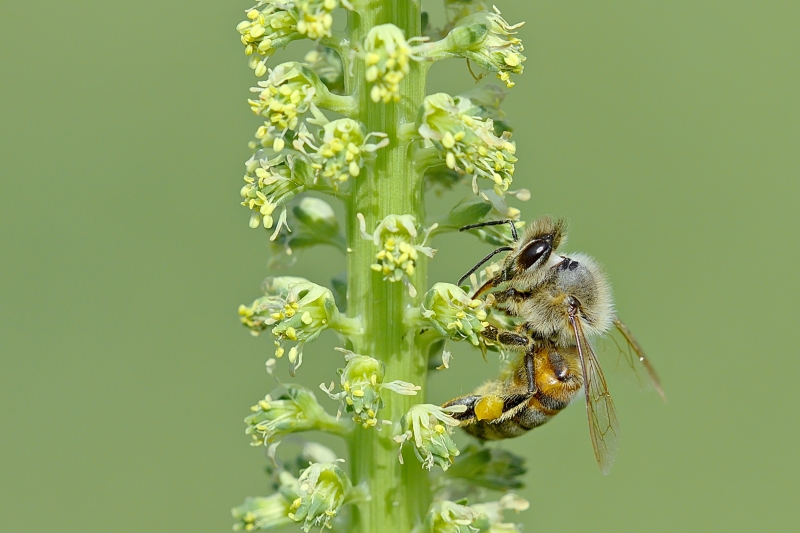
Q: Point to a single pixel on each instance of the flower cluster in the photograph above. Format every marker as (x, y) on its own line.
(295, 309)
(324, 488)
(272, 24)
(488, 39)
(341, 152)
(262, 513)
(270, 183)
(454, 314)
(396, 236)
(429, 428)
(387, 56)
(283, 99)
(467, 142)
(362, 384)
(450, 517)
(295, 410)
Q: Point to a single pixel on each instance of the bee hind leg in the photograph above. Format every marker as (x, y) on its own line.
(469, 402)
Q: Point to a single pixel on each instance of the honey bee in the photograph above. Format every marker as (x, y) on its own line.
(562, 301)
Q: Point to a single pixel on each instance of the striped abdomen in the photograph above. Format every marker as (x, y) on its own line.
(558, 378)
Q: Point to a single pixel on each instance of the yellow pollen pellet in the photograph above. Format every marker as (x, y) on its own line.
(438, 428)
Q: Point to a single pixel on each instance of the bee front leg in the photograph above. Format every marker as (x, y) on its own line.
(505, 337)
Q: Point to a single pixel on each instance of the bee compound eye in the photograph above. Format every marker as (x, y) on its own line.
(533, 252)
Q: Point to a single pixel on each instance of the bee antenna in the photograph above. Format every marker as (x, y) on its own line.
(494, 223)
(482, 261)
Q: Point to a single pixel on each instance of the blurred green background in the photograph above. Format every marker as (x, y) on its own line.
(667, 132)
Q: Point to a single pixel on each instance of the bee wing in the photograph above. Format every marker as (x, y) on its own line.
(645, 362)
(603, 423)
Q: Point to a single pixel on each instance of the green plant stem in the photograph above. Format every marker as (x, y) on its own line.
(400, 494)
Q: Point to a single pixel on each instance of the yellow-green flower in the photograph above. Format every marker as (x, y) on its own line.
(324, 488)
(454, 314)
(296, 310)
(267, 28)
(388, 58)
(362, 384)
(488, 39)
(490, 514)
(341, 153)
(398, 252)
(429, 428)
(295, 410)
(450, 517)
(262, 513)
(271, 182)
(272, 24)
(283, 99)
(467, 143)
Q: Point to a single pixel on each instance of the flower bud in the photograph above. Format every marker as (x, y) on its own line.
(317, 216)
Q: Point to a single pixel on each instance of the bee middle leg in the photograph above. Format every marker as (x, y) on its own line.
(515, 340)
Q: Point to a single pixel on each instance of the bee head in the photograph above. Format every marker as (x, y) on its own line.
(541, 239)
